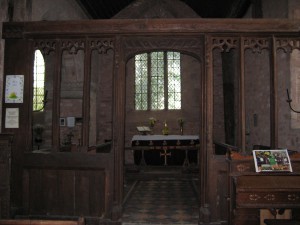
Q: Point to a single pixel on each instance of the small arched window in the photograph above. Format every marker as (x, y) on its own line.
(38, 81)
(158, 81)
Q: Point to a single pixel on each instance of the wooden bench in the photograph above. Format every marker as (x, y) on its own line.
(80, 221)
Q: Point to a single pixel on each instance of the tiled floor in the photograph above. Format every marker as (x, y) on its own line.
(162, 201)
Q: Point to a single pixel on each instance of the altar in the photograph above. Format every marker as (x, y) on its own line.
(166, 150)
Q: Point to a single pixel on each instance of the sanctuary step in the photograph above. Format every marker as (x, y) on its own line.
(155, 172)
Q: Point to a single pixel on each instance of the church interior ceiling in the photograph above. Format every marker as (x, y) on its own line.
(106, 9)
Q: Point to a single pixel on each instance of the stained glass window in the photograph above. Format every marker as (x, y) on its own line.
(38, 81)
(157, 81)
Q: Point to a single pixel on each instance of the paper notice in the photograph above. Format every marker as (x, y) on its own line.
(12, 118)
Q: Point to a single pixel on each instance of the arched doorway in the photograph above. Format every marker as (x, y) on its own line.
(137, 179)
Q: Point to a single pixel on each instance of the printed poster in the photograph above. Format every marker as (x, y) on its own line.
(12, 118)
(14, 87)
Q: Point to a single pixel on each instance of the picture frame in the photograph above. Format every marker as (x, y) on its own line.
(14, 88)
(276, 160)
(62, 121)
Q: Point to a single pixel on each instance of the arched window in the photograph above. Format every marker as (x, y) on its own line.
(157, 81)
(38, 81)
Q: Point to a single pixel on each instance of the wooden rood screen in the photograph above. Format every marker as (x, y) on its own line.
(92, 185)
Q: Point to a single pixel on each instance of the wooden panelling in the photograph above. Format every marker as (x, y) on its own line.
(66, 192)
(5, 171)
(71, 188)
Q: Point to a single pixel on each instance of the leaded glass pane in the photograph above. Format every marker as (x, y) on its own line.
(141, 82)
(157, 74)
(157, 80)
(38, 81)
(174, 80)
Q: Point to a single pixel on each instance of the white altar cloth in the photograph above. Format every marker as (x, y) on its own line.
(164, 137)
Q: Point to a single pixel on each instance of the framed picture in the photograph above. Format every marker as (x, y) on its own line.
(62, 121)
(14, 87)
(272, 160)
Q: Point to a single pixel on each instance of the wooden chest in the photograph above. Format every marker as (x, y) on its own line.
(251, 192)
(268, 191)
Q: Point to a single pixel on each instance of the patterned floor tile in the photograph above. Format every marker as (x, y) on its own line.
(162, 202)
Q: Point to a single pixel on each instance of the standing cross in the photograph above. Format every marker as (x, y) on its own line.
(165, 154)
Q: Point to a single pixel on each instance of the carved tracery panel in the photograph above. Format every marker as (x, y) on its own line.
(256, 45)
(45, 46)
(225, 44)
(189, 45)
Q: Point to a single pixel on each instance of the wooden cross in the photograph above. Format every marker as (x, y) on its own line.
(165, 154)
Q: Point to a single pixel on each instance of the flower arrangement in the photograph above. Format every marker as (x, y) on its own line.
(180, 122)
(165, 131)
(152, 121)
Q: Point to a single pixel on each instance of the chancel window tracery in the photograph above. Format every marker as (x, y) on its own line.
(157, 81)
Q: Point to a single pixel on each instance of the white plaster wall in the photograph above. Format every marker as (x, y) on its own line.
(37, 10)
(56, 10)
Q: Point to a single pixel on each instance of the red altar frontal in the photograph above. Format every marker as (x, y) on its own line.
(167, 150)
